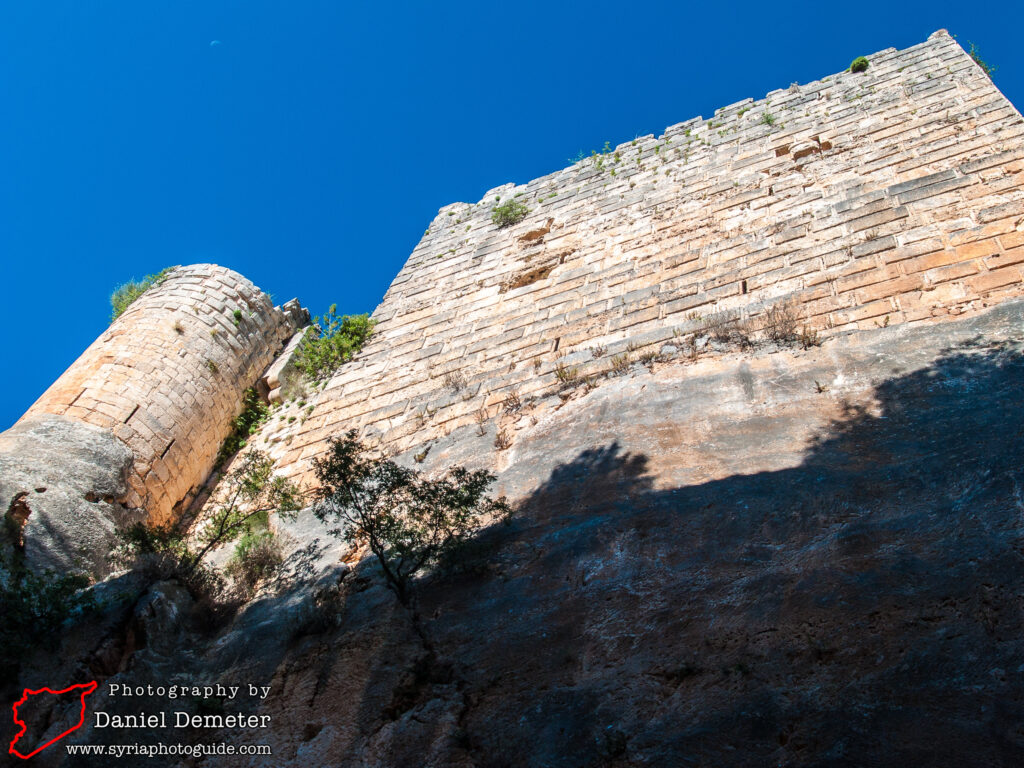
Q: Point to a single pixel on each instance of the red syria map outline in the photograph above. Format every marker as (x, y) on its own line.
(87, 688)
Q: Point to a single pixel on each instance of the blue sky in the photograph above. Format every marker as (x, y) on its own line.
(311, 147)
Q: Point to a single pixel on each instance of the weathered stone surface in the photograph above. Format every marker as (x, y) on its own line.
(62, 488)
(724, 566)
(283, 380)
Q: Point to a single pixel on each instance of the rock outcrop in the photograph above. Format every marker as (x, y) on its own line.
(63, 482)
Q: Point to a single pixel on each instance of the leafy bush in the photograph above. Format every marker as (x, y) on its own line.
(34, 607)
(339, 339)
(507, 214)
(860, 64)
(126, 293)
(248, 494)
(566, 375)
(410, 522)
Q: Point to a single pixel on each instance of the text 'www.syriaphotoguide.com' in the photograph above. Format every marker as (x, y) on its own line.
(158, 750)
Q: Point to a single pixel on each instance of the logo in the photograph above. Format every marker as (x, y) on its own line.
(84, 690)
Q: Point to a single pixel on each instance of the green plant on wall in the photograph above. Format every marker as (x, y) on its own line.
(507, 214)
(340, 337)
(254, 413)
(257, 556)
(975, 54)
(246, 496)
(860, 64)
(126, 293)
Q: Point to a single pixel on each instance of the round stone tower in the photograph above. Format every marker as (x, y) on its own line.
(134, 426)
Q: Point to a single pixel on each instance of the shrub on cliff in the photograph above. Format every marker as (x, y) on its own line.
(126, 293)
(410, 522)
(782, 322)
(245, 498)
(338, 340)
(257, 557)
(860, 64)
(33, 609)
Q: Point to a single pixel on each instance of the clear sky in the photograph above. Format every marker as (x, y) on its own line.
(312, 143)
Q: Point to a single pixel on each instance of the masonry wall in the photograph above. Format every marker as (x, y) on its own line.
(892, 196)
(168, 377)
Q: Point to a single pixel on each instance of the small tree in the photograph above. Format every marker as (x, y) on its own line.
(250, 492)
(340, 338)
(410, 522)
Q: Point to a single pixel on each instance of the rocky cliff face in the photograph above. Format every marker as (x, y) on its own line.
(772, 557)
(63, 482)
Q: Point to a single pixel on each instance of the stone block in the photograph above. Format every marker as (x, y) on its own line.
(989, 281)
(889, 288)
(1012, 256)
(977, 250)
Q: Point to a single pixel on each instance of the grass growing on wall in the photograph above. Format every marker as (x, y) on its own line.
(126, 293)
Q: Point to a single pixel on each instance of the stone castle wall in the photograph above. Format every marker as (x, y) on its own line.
(168, 376)
(892, 196)
(887, 197)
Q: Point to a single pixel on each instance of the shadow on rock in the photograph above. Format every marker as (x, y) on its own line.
(863, 608)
